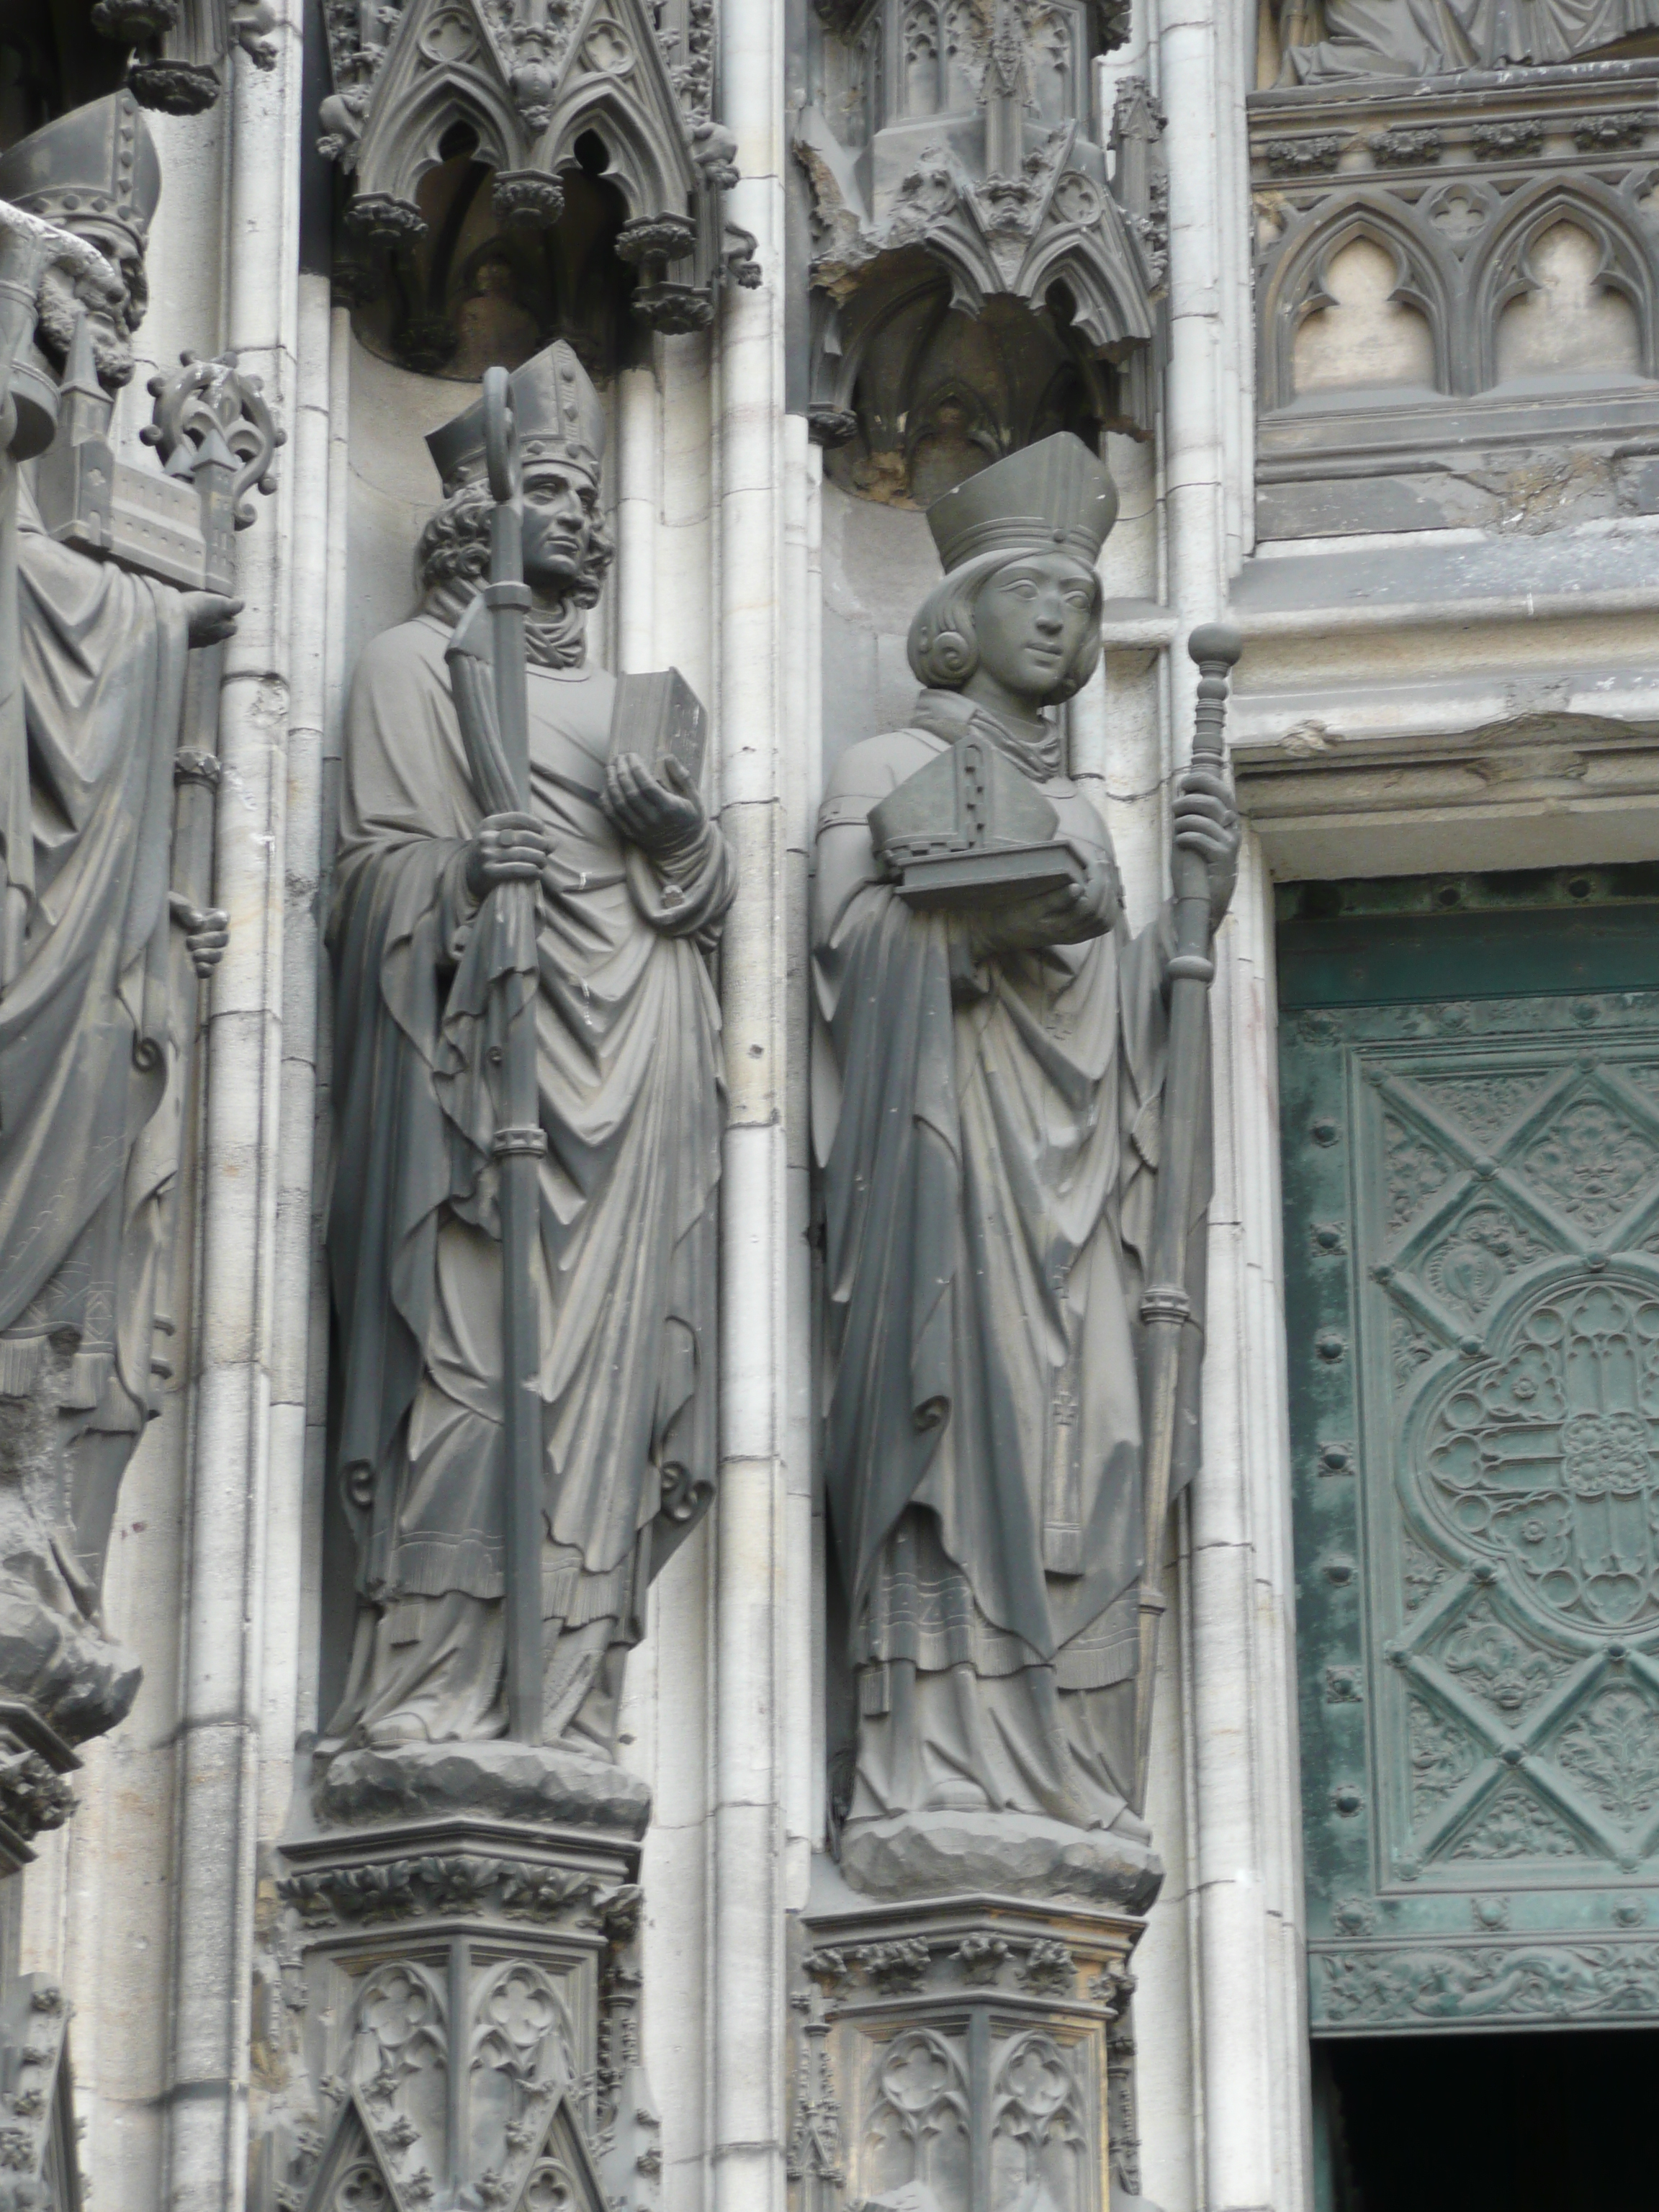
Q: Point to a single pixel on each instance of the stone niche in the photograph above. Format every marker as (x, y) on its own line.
(515, 176)
(939, 394)
(173, 55)
(1457, 289)
(987, 257)
(474, 291)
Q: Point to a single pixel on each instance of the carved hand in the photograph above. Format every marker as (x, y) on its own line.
(210, 617)
(508, 848)
(1062, 917)
(207, 931)
(658, 817)
(1206, 821)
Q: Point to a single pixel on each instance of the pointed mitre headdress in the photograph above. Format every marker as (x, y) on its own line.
(1054, 496)
(557, 411)
(97, 160)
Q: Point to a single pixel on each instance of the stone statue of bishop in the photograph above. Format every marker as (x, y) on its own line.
(632, 881)
(988, 1103)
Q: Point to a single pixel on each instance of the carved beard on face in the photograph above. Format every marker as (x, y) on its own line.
(56, 311)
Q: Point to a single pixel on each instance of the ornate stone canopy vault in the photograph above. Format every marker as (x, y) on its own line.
(956, 142)
(592, 122)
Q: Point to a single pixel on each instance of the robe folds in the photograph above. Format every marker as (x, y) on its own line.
(1439, 38)
(91, 1026)
(989, 1133)
(631, 1101)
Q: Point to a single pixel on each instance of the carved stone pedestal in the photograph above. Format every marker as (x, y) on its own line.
(955, 2054)
(469, 1994)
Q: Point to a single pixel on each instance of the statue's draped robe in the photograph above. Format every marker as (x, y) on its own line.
(631, 1103)
(1436, 37)
(89, 1028)
(988, 1134)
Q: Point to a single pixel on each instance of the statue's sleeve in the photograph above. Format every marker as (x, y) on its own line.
(847, 895)
(684, 893)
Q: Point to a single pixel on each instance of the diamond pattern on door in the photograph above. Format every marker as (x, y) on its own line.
(1473, 1204)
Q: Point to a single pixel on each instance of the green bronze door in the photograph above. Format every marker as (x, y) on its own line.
(1470, 1104)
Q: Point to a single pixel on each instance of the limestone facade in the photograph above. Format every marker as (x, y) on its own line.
(1374, 360)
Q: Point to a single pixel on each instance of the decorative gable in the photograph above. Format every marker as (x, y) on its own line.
(537, 90)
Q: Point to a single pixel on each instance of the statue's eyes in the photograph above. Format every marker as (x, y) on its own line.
(1023, 588)
(1077, 599)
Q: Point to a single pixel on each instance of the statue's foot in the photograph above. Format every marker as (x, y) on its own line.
(943, 1854)
(546, 1783)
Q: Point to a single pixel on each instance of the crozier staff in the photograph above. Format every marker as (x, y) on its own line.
(987, 1118)
(631, 881)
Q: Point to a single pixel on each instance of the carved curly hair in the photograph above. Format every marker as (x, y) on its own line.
(454, 546)
(944, 641)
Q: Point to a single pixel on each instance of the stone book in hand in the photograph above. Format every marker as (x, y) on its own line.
(659, 717)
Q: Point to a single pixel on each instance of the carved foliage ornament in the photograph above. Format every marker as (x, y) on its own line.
(529, 83)
(489, 2041)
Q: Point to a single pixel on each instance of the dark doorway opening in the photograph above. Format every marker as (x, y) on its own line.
(1537, 2123)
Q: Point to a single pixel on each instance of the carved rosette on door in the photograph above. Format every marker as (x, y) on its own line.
(1478, 1506)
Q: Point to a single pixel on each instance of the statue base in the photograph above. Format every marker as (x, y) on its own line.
(542, 1784)
(914, 1855)
(463, 1921)
(963, 2054)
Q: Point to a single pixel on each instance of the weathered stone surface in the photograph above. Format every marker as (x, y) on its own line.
(510, 1781)
(1008, 1854)
(79, 1682)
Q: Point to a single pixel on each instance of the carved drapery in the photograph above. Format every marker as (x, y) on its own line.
(539, 97)
(1473, 1259)
(949, 158)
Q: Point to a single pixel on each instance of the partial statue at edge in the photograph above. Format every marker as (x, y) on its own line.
(991, 1082)
(1322, 40)
(101, 951)
(631, 880)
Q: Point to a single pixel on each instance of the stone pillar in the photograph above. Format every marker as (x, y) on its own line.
(462, 1943)
(957, 2054)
